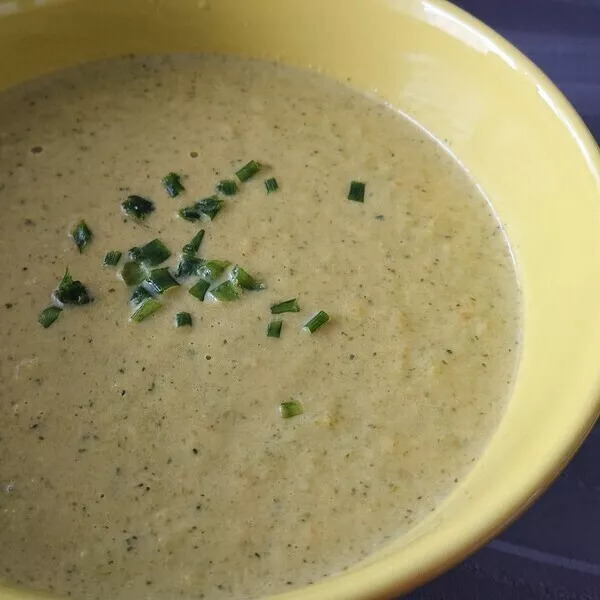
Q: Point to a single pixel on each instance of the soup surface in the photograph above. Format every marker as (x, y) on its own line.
(140, 460)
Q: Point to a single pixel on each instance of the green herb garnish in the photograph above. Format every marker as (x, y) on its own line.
(70, 291)
(317, 321)
(189, 265)
(208, 208)
(286, 306)
(228, 187)
(133, 273)
(199, 289)
(81, 235)
(48, 316)
(225, 292)
(112, 258)
(160, 280)
(172, 183)
(189, 213)
(356, 191)
(139, 294)
(244, 280)
(182, 319)
(137, 207)
(213, 269)
(274, 328)
(248, 170)
(271, 185)
(146, 307)
(293, 408)
(194, 245)
(153, 253)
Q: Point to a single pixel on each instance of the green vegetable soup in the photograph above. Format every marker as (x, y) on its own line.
(255, 324)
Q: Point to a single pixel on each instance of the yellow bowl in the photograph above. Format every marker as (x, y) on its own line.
(501, 117)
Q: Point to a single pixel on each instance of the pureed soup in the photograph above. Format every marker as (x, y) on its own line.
(241, 454)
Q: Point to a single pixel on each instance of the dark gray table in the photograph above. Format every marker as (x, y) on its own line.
(553, 551)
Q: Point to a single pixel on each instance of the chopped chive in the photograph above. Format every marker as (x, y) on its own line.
(81, 235)
(293, 408)
(133, 273)
(139, 294)
(194, 245)
(225, 292)
(153, 253)
(244, 280)
(356, 191)
(160, 280)
(228, 187)
(286, 306)
(112, 258)
(317, 321)
(199, 289)
(274, 328)
(213, 269)
(135, 254)
(146, 307)
(208, 207)
(137, 207)
(189, 265)
(71, 292)
(48, 316)
(189, 213)
(248, 170)
(172, 183)
(271, 185)
(182, 319)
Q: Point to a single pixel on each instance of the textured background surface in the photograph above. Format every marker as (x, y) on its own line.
(553, 551)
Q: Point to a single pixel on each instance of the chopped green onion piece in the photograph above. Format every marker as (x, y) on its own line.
(293, 408)
(133, 273)
(182, 319)
(244, 280)
(189, 265)
(208, 207)
(225, 292)
(317, 321)
(139, 294)
(194, 245)
(48, 316)
(135, 254)
(189, 213)
(160, 280)
(357, 191)
(286, 306)
(213, 269)
(274, 328)
(81, 235)
(153, 253)
(112, 258)
(145, 309)
(228, 187)
(248, 170)
(71, 292)
(271, 185)
(199, 289)
(137, 207)
(172, 183)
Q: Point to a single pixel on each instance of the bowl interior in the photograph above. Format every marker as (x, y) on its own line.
(500, 117)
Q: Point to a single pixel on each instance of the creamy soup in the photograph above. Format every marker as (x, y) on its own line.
(140, 460)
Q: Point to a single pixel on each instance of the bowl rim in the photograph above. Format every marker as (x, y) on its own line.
(380, 578)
